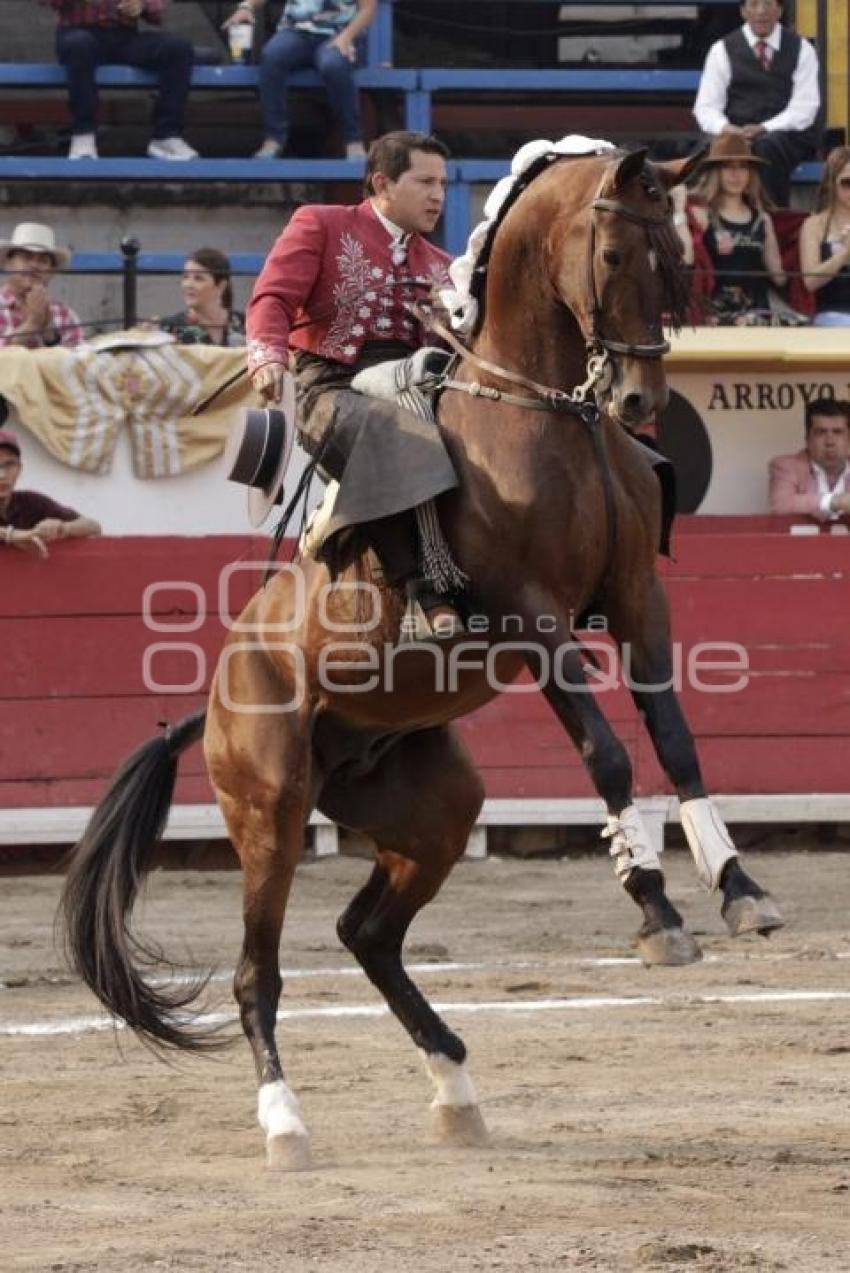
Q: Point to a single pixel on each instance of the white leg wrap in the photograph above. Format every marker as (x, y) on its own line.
(452, 1082)
(708, 838)
(631, 843)
(278, 1112)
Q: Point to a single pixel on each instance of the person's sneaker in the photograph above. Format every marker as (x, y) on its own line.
(355, 150)
(83, 146)
(270, 149)
(171, 148)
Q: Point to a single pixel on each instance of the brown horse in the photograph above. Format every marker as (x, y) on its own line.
(316, 705)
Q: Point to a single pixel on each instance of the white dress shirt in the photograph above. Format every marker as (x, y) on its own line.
(399, 239)
(799, 114)
(826, 492)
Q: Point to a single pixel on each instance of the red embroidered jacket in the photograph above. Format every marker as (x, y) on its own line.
(329, 286)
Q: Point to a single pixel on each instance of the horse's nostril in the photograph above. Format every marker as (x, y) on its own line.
(633, 403)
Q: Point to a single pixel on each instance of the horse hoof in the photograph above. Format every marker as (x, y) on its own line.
(459, 1125)
(670, 946)
(752, 915)
(288, 1153)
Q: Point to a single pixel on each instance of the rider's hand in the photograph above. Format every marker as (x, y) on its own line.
(840, 503)
(131, 8)
(268, 381)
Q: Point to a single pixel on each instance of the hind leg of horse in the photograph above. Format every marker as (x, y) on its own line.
(648, 666)
(419, 806)
(662, 938)
(260, 767)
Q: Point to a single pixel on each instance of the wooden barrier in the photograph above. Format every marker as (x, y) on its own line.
(74, 699)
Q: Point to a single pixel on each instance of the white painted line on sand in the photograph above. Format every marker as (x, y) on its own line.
(90, 1024)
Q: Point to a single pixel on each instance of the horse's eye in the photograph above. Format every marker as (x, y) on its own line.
(612, 257)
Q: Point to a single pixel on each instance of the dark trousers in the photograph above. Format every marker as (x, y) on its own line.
(81, 50)
(783, 151)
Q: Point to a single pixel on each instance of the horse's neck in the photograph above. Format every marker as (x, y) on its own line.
(525, 330)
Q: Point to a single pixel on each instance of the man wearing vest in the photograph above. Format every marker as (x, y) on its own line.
(762, 81)
(336, 291)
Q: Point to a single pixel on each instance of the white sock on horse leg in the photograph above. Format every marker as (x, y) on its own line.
(278, 1111)
(708, 838)
(451, 1080)
(631, 843)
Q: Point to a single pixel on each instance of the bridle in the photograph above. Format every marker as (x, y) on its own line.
(580, 400)
(595, 340)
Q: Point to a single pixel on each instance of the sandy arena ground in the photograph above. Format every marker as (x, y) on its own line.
(675, 1134)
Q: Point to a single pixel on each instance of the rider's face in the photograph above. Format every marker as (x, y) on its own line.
(414, 200)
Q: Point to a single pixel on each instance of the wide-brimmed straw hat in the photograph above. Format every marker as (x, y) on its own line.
(731, 148)
(258, 450)
(29, 236)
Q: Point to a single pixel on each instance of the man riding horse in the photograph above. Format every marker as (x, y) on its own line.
(337, 289)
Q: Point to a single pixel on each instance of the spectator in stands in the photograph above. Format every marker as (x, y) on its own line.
(29, 521)
(311, 33)
(825, 244)
(737, 233)
(816, 480)
(94, 32)
(761, 82)
(27, 314)
(209, 317)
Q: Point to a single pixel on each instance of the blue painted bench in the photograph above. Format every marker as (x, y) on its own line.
(236, 78)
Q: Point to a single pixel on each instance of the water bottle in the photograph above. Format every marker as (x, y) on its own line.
(241, 39)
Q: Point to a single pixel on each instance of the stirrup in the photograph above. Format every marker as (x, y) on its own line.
(417, 627)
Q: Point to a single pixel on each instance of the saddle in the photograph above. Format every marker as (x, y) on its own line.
(412, 383)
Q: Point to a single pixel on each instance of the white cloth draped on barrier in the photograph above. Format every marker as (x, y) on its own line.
(75, 401)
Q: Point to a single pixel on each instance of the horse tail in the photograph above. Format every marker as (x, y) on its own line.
(106, 870)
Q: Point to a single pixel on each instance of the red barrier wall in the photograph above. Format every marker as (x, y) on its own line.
(73, 700)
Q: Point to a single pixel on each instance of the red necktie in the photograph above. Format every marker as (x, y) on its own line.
(763, 54)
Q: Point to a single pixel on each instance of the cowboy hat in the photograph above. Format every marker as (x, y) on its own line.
(258, 450)
(29, 236)
(731, 148)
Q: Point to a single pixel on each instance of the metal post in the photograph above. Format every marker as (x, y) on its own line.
(130, 252)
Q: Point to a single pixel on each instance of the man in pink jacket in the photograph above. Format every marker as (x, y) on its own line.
(816, 480)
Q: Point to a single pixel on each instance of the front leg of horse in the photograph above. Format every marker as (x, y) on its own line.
(662, 938)
(648, 669)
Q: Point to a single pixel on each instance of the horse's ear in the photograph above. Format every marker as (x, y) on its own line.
(629, 167)
(675, 171)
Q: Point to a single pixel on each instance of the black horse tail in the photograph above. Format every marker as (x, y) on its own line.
(106, 870)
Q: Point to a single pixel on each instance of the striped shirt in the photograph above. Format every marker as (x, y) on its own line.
(104, 13)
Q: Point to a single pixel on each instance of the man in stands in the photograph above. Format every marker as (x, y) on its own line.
(816, 480)
(95, 32)
(762, 81)
(335, 290)
(30, 521)
(28, 316)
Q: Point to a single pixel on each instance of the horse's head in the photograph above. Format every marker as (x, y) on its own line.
(614, 260)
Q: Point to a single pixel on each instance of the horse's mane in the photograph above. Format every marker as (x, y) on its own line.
(663, 240)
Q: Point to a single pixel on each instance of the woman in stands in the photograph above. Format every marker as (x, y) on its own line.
(737, 233)
(825, 244)
(209, 317)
